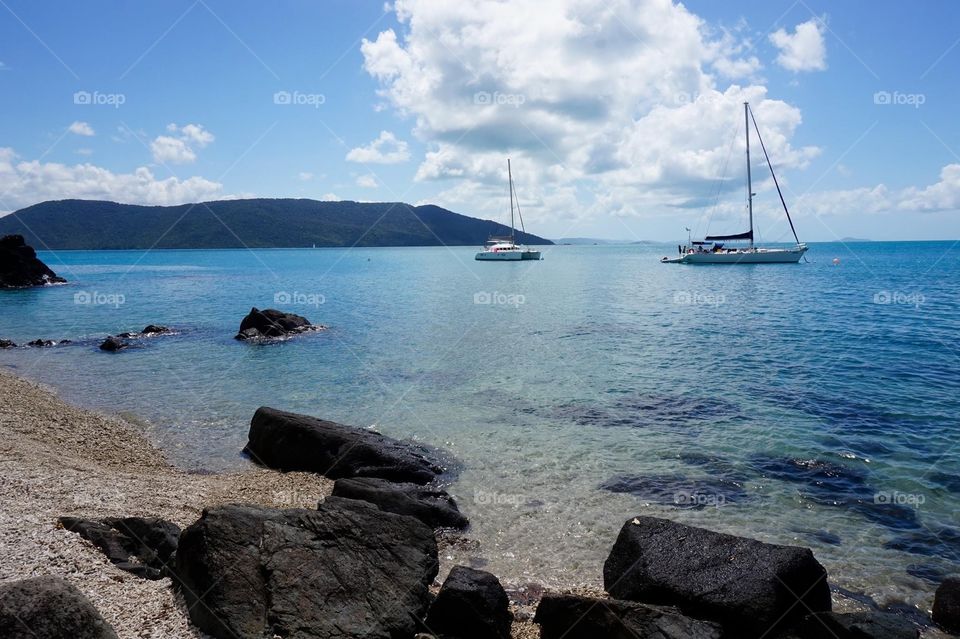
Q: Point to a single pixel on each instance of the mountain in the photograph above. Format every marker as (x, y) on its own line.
(253, 223)
(578, 241)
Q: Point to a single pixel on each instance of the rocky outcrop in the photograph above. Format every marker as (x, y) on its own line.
(471, 604)
(50, 608)
(291, 442)
(946, 605)
(5, 343)
(853, 625)
(113, 344)
(148, 331)
(142, 546)
(432, 506)
(574, 617)
(744, 584)
(20, 267)
(344, 570)
(272, 324)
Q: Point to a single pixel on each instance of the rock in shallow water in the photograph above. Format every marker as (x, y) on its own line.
(432, 506)
(573, 617)
(344, 570)
(139, 545)
(679, 490)
(946, 605)
(744, 584)
(471, 604)
(271, 323)
(20, 267)
(853, 625)
(291, 442)
(113, 344)
(49, 608)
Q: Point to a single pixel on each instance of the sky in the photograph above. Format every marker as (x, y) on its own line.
(623, 119)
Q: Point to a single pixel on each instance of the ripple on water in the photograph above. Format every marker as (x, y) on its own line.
(679, 491)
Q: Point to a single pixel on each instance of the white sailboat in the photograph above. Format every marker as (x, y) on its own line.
(712, 249)
(505, 248)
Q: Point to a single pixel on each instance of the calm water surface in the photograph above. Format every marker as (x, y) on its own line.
(812, 404)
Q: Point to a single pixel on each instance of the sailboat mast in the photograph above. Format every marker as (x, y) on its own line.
(746, 122)
(510, 178)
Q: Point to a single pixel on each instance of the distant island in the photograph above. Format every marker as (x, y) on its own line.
(252, 223)
(854, 239)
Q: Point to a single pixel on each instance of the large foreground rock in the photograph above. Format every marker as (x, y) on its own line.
(746, 585)
(49, 608)
(852, 625)
(471, 604)
(344, 570)
(292, 442)
(140, 545)
(573, 617)
(271, 323)
(946, 605)
(432, 506)
(19, 265)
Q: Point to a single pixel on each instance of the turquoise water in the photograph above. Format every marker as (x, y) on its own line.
(813, 404)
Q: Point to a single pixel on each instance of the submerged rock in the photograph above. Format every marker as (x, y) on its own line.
(288, 441)
(678, 490)
(574, 617)
(49, 608)
(471, 604)
(432, 506)
(20, 267)
(149, 331)
(946, 605)
(138, 545)
(344, 570)
(852, 625)
(5, 343)
(42, 343)
(744, 584)
(271, 323)
(113, 344)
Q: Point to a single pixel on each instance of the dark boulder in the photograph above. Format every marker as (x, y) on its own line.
(432, 506)
(471, 604)
(20, 267)
(344, 570)
(291, 442)
(573, 617)
(154, 329)
(946, 605)
(744, 584)
(113, 344)
(5, 343)
(852, 625)
(142, 546)
(271, 323)
(42, 343)
(50, 608)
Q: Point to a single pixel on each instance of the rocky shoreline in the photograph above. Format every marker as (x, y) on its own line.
(259, 556)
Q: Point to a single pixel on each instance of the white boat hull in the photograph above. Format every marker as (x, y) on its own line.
(499, 256)
(758, 256)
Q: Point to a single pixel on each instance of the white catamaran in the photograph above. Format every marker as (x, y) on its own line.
(711, 249)
(505, 248)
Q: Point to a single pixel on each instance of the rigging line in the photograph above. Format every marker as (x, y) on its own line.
(519, 214)
(720, 180)
(774, 175)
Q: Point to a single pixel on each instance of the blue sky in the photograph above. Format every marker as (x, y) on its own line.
(620, 116)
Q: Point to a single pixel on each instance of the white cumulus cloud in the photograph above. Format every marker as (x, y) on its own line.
(386, 149)
(81, 128)
(802, 50)
(27, 182)
(179, 147)
(367, 181)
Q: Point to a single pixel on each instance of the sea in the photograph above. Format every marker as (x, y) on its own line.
(815, 404)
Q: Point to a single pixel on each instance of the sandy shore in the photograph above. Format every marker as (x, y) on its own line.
(57, 459)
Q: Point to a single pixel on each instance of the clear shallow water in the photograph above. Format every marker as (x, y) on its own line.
(785, 400)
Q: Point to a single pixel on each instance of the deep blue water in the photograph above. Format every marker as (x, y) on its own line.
(813, 403)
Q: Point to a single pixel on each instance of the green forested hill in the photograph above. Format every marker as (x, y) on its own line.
(255, 223)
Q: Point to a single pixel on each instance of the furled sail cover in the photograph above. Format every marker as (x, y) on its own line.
(739, 236)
